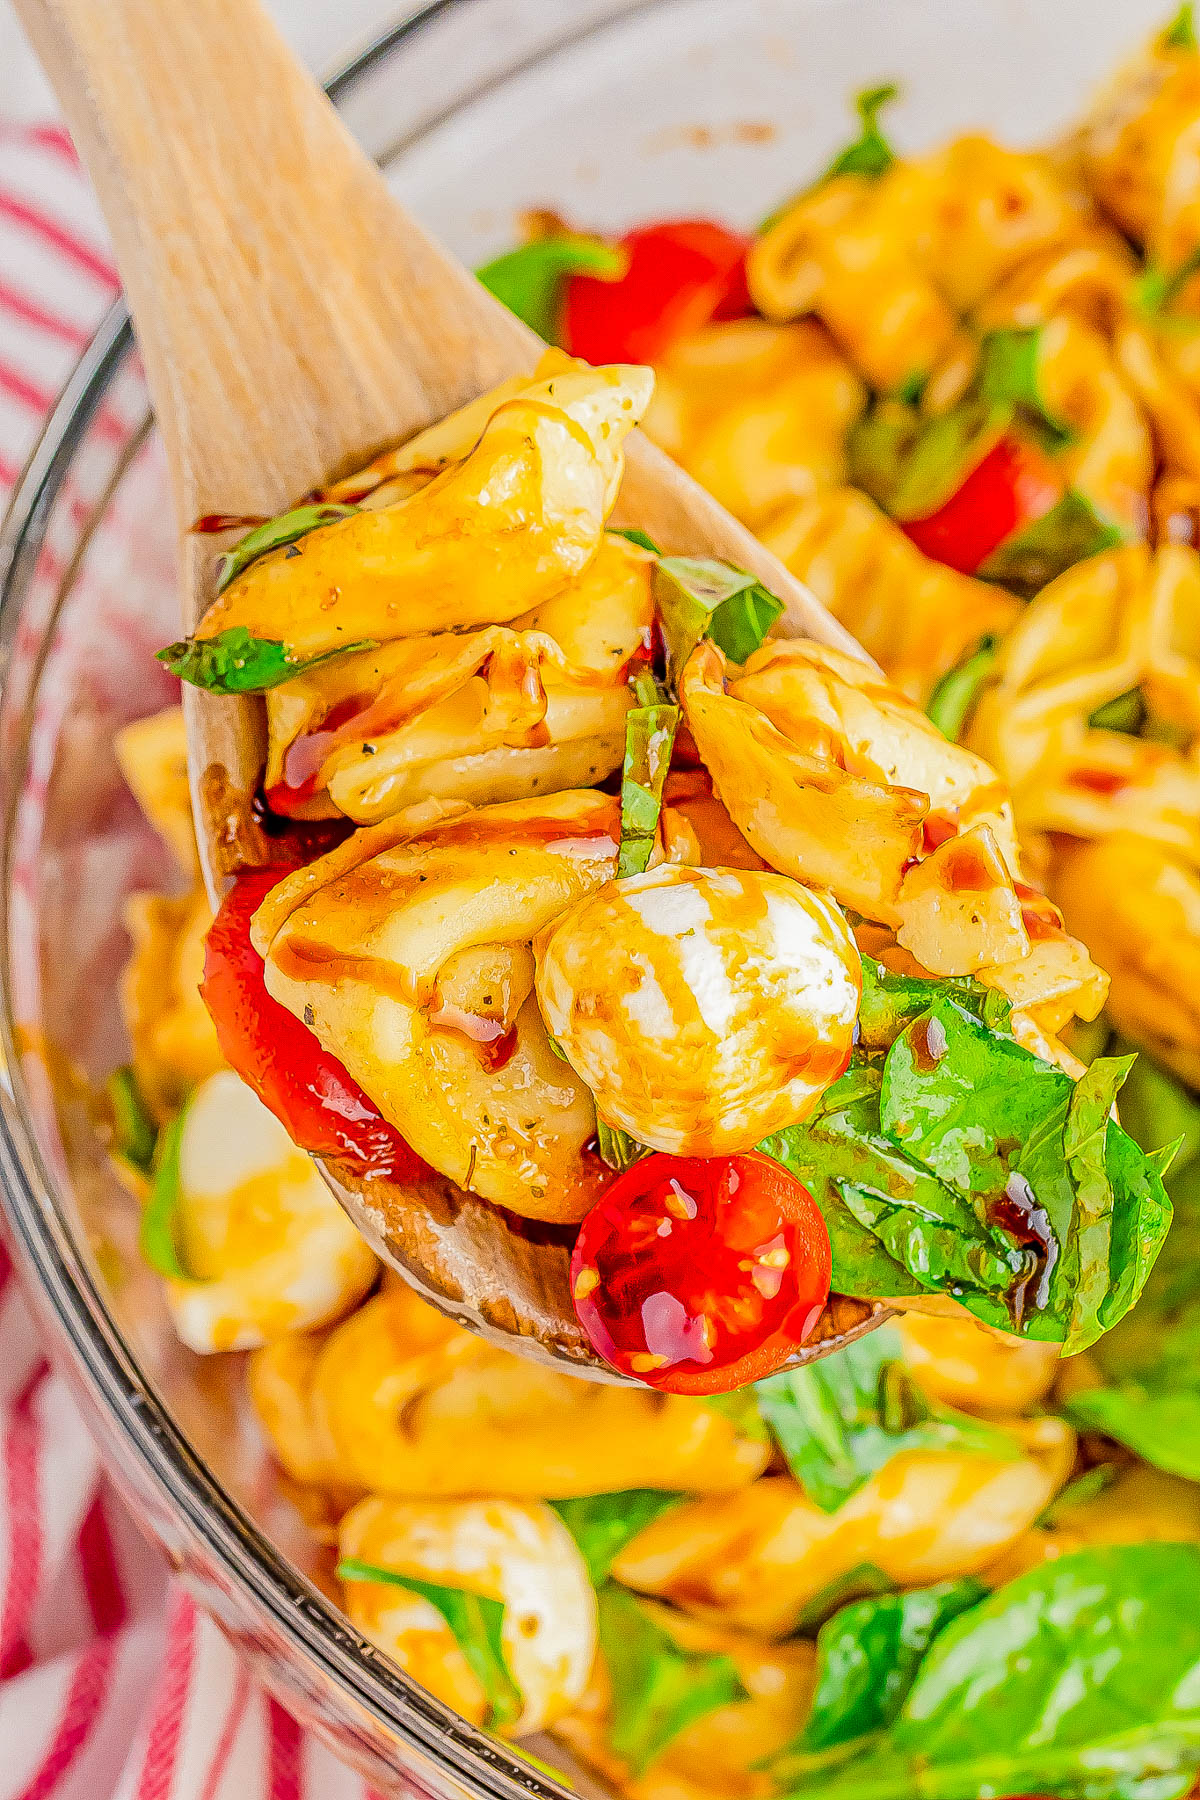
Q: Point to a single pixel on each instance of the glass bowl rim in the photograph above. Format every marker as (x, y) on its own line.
(48, 1254)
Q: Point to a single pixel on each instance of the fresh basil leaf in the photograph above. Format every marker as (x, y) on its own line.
(740, 1407)
(1071, 531)
(1085, 1144)
(1180, 34)
(1086, 1487)
(1081, 1677)
(235, 662)
(158, 1236)
(870, 154)
(988, 1118)
(953, 699)
(134, 1131)
(530, 280)
(1009, 373)
(891, 1001)
(602, 1524)
(698, 597)
(276, 534)
(859, 1583)
(617, 1148)
(1161, 1425)
(657, 1688)
(868, 1656)
(477, 1622)
(650, 728)
(635, 536)
(912, 464)
(1126, 713)
(839, 1420)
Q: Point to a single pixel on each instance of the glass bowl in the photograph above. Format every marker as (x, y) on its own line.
(609, 112)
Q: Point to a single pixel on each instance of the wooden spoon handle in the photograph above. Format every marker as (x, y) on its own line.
(277, 289)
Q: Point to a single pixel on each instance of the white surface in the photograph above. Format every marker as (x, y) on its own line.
(322, 31)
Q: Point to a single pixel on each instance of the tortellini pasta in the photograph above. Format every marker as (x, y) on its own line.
(514, 1551)
(403, 1401)
(412, 963)
(267, 1247)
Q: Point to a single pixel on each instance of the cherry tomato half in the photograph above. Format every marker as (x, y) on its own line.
(699, 1274)
(311, 1094)
(1014, 485)
(680, 274)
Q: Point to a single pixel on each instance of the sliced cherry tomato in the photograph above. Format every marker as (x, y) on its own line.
(680, 274)
(311, 1094)
(700, 1274)
(1014, 485)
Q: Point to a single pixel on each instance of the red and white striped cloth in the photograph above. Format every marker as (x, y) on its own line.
(113, 1686)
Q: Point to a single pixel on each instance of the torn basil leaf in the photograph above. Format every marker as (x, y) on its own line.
(134, 1131)
(531, 280)
(616, 1147)
(1126, 713)
(477, 1622)
(1071, 531)
(602, 1524)
(276, 534)
(1009, 373)
(1080, 1677)
(891, 1001)
(911, 464)
(650, 728)
(1085, 1143)
(158, 1235)
(658, 1689)
(839, 1420)
(235, 662)
(1180, 34)
(698, 597)
(953, 699)
(640, 538)
(868, 1656)
(859, 1583)
(870, 154)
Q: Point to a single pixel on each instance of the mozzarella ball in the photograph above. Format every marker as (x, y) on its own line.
(515, 1551)
(705, 1008)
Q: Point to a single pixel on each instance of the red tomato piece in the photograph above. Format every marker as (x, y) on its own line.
(680, 274)
(323, 1109)
(700, 1274)
(1014, 485)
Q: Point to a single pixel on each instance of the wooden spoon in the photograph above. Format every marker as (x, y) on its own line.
(294, 320)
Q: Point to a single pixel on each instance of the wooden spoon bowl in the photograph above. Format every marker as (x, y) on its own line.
(294, 320)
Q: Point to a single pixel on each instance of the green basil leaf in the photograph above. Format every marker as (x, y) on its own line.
(1086, 1487)
(657, 1688)
(1081, 1677)
(910, 464)
(838, 1421)
(953, 699)
(698, 597)
(134, 1131)
(617, 1148)
(891, 1001)
(478, 1626)
(1009, 373)
(1085, 1144)
(859, 1583)
(158, 1237)
(276, 534)
(635, 536)
(602, 1524)
(868, 1656)
(649, 739)
(1161, 1425)
(1180, 34)
(1071, 531)
(870, 154)
(530, 280)
(1126, 713)
(235, 662)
